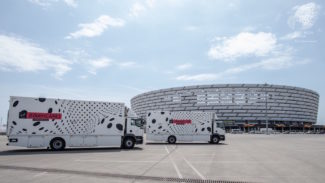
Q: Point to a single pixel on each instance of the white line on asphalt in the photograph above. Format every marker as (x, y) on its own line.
(205, 155)
(195, 170)
(174, 164)
(40, 174)
(85, 160)
(167, 149)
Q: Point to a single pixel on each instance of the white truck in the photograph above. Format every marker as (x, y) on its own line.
(60, 123)
(164, 126)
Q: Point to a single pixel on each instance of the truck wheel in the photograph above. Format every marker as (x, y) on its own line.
(128, 143)
(171, 139)
(57, 144)
(215, 139)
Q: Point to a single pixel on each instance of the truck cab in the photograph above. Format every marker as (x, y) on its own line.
(134, 127)
(218, 132)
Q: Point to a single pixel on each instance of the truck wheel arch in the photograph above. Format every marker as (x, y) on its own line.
(127, 137)
(57, 140)
(215, 138)
(171, 139)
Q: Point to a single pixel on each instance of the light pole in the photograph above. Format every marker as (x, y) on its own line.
(266, 116)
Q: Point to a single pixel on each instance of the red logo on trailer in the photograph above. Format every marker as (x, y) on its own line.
(40, 116)
(182, 121)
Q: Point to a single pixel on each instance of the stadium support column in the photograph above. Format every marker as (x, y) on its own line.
(266, 116)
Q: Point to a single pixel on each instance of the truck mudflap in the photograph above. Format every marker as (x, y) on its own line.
(222, 137)
(138, 140)
(13, 140)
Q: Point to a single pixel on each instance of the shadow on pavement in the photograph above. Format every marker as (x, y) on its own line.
(65, 151)
(108, 175)
(184, 143)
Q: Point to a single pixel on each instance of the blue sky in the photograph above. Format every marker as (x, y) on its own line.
(113, 50)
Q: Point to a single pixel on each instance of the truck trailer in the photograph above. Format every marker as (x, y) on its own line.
(60, 123)
(186, 126)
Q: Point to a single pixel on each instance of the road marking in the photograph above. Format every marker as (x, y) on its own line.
(167, 149)
(40, 174)
(194, 169)
(85, 160)
(205, 155)
(174, 164)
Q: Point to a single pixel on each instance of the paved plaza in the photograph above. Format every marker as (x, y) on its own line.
(241, 158)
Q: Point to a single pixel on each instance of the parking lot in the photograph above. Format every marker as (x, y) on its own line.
(242, 158)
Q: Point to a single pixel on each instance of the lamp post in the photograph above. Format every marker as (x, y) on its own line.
(266, 116)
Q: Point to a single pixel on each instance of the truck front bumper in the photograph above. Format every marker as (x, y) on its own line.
(138, 140)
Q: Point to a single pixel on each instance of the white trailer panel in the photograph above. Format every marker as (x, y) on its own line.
(33, 122)
(184, 125)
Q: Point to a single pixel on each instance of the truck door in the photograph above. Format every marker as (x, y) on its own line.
(135, 126)
(219, 127)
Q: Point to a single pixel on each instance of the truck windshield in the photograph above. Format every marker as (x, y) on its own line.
(220, 124)
(137, 122)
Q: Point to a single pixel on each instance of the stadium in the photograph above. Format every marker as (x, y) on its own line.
(242, 106)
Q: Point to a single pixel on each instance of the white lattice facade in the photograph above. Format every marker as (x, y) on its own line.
(235, 102)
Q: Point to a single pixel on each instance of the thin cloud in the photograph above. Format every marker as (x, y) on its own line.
(71, 3)
(43, 3)
(198, 77)
(47, 3)
(83, 76)
(292, 35)
(249, 29)
(277, 63)
(307, 41)
(184, 66)
(243, 44)
(305, 15)
(24, 56)
(136, 9)
(97, 27)
(150, 3)
(127, 64)
(93, 65)
(139, 8)
(97, 64)
(191, 28)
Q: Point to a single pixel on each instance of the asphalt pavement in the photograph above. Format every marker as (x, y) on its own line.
(242, 158)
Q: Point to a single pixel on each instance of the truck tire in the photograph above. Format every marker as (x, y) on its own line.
(57, 144)
(215, 139)
(171, 140)
(128, 143)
